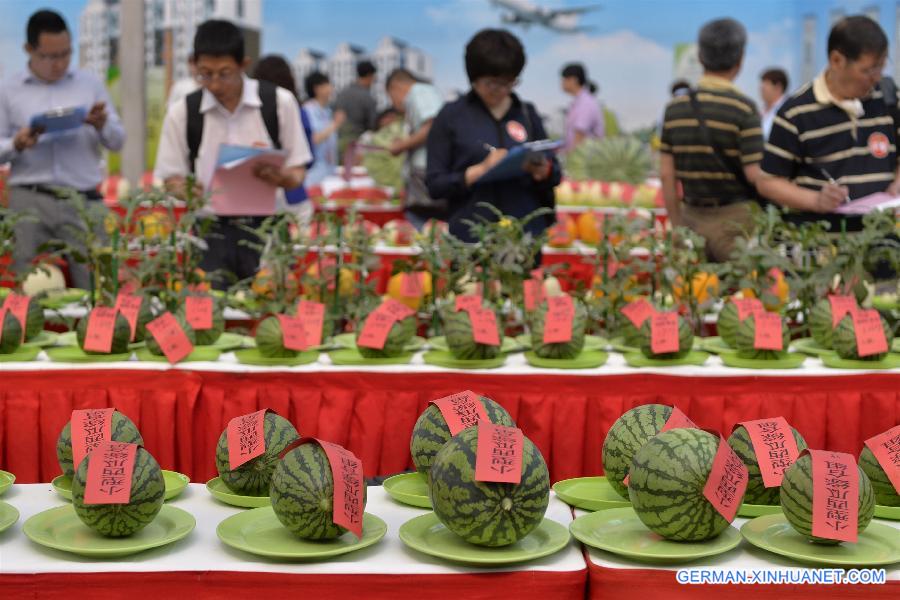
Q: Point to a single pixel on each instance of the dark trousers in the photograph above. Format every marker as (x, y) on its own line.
(226, 258)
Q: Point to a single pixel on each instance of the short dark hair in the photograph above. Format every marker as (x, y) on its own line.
(275, 69)
(494, 53)
(679, 85)
(857, 35)
(217, 37)
(364, 68)
(400, 74)
(578, 71)
(312, 81)
(721, 45)
(43, 21)
(388, 112)
(776, 76)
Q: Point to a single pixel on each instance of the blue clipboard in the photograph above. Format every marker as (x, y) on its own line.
(512, 166)
(61, 119)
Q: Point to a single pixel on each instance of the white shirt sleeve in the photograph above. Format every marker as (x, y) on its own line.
(293, 138)
(172, 154)
(112, 134)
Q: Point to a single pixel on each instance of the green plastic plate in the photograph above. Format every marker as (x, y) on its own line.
(440, 358)
(8, 516)
(43, 339)
(618, 344)
(352, 357)
(620, 531)
(409, 488)
(220, 492)
(895, 346)
(348, 340)
(758, 510)
(588, 359)
(591, 342)
(230, 341)
(716, 345)
(891, 513)
(22, 354)
(6, 481)
(809, 346)
(429, 536)
(259, 532)
(176, 483)
(891, 361)
(695, 358)
(879, 544)
(61, 529)
(69, 338)
(199, 354)
(589, 493)
(251, 356)
(74, 354)
(792, 360)
(508, 344)
(58, 299)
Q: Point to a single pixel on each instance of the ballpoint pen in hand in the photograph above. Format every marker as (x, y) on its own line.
(832, 181)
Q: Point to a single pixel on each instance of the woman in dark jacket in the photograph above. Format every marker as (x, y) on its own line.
(472, 134)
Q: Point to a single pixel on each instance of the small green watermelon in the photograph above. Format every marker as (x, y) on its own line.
(10, 334)
(154, 347)
(34, 319)
(252, 478)
(727, 324)
(844, 340)
(122, 429)
(685, 340)
(207, 337)
(461, 340)
(885, 494)
(270, 339)
(626, 436)
(121, 335)
(145, 315)
(402, 332)
(820, 323)
(757, 492)
(569, 349)
(745, 341)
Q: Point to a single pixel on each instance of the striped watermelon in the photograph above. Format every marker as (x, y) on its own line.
(797, 499)
(745, 340)
(626, 436)
(148, 489)
(121, 335)
(401, 333)
(431, 432)
(727, 324)
(487, 514)
(145, 315)
(270, 339)
(10, 334)
(844, 340)
(34, 319)
(153, 345)
(820, 323)
(569, 349)
(252, 478)
(461, 341)
(302, 494)
(685, 340)
(757, 492)
(122, 429)
(206, 337)
(885, 494)
(668, 475)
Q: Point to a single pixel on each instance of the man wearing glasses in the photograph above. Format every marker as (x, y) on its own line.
(44, 166)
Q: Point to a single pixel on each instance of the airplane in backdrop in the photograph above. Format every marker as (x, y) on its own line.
(525, 13)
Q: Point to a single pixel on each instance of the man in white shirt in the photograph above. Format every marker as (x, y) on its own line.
(773, 85)
(231, 109)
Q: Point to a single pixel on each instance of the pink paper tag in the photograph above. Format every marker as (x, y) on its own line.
(747, 307)
(18, 306)
(199, 311)
(375, 330)
(397, 310)
(484, 326)
(172, 339)
(774, 445)
(870, 338)
(109, 474)
(727, 481)
(558, 323)
(835, 495)
(246, 438)
(100, 329)
(411, 285)
(664, 333)
(293, 333)
(461, 410)
(467, 302)
(678, 420)
(533, 290)
(313, 316)
(129, 306)
(638, 311)
(349, 487)
(499, 455)
(89, 428)
(767, 334)
(886, 448)
(840, 306)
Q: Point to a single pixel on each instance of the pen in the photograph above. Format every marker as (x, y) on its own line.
(488, 147)
(832, 181)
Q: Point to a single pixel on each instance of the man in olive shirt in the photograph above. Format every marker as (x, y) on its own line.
(357, 103)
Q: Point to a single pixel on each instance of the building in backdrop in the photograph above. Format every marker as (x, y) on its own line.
(308, 61)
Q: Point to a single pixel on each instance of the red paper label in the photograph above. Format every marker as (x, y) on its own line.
(499, 455)
(533, 290)
(129, 306)
(886, 448)
(411, 285)
(349, 487)
(199, 311)
(467, 302)
(870, 338)
(767, 334)
(664, 333)
(246, 438)
(375, 330)
(293, 333)
(835, 495)
(101, 325)
(172, 339)
(312, 314)
(484, 326)
(638, 311)
(775, 448)
(747, 307)
(727, 481)
(90, 428)
(840, 306)
(109, 474)
(397, 310)
(558, 323)
(678, 420)
(18, 306)
(461, 410)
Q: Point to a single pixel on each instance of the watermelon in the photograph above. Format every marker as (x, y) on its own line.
(461, 341)
(148, 490)
(145, 315)
(685, 341)
(34, 319)
(121, 335)
(668, 475)
(121, 429)
(400, 335)
(797, 499)
(482, 513)
(626, 436)
(270, 339)
(302, 494)
(885, 494)
(431, 432)
(569, 349)
(153, 345)
(844, 341)
(10, 334)
(745, 340)
(727, 324)
(206, 337)
(757, 492)
(820, 323)
(252, 478)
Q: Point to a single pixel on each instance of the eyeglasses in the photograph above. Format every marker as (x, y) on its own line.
(55, 57)
(220, 76)
(492, 84)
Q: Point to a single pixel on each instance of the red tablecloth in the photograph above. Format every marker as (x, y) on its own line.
(181, 413)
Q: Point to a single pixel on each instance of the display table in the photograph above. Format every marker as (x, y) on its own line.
(201, 566)
(181, 411)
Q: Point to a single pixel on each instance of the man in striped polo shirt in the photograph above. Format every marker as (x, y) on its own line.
(712, 143)
(834, 139)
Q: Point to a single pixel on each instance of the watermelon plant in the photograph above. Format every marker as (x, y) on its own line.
(745, 341)
(401, 333)
(844, 341)
(122, 429)
(569, 349)
(685, 340)
(757, 492)
(885, 494)
(626, 436)
(154, 347)
(461, 339)
(120, 339)
(485, 513)
(253, 477)
(10, 334)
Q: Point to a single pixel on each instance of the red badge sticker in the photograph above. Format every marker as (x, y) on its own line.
(467, 302)
(313, 316)
(484, 326)
(879, 145)
(516, 131)
(727, 481)
(172, 339)
(775, 447)
(840, 306)
(870, 338)
(101, 325)
(886, 448)
(664, 333)
(349, 487)
(499, 455)
(747, 307)
(411, 285)
(558, 323)
(199, 311)
(89, 428)
(638, 311)
(129, 306)
(18, 306)
(767, 334)
(461, 410)
(246, 438)
(293, 334)
(109, 474)
(835, 495)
